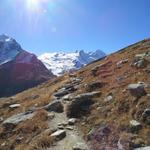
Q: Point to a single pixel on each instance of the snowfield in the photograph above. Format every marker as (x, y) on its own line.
(61, 62)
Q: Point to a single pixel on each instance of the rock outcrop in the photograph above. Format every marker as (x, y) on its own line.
(137, 90)
(55, 106)
(81, 104)
(141, 60)
(14, 120)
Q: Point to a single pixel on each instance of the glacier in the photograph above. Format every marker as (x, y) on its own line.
(61, 62)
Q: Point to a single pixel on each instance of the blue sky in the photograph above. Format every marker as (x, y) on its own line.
(68, 25)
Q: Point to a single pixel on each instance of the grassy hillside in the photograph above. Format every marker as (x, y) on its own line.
(107, 122)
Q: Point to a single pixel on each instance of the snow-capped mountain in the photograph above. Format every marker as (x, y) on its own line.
(61, 62)
(9, 49)
(19, 69)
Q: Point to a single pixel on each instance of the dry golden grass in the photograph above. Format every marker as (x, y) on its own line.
(42, 143)
(120, 111)
(34, 97)
(39, 142)
(123, 107)
(35, 125)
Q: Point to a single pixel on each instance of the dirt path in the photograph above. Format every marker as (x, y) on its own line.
(72, 138)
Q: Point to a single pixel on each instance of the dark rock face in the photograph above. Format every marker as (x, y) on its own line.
(61, 93)
(55, 106)
(137, 90)
(19, 69)
(27, 67)
(81, 104)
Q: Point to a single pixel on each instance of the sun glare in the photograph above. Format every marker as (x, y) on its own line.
(39, 6)
(34, 5)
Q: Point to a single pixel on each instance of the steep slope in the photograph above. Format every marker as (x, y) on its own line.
(109, 99)
(19, 69)
(62, 62)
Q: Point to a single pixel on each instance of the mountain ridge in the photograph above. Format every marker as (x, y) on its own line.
(60, 62)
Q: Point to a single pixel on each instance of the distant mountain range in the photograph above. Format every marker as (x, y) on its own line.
(61, 62)
(20, 69)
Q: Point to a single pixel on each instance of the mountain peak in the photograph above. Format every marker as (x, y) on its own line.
(4, 37)
(9, 49)
(19, 69)
(61, 62)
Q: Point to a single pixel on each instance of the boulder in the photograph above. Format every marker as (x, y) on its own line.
(139, 63)
(61, 93)
(81, 104)
(72, 121)
(141, 60)
(70, 87)
(87, 95)
(55, 106)
(67, 97)
(137, 90)
(80, 146)
(16, 119)
(59, 135)
(13, 106)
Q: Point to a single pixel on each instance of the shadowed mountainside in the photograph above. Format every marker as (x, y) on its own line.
(19, 69)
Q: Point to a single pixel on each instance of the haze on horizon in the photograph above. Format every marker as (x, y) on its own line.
(68, 25)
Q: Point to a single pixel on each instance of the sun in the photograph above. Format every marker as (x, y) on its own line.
(34, 5)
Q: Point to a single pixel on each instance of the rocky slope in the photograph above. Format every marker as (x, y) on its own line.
(105, 105)
(19, 69)
(61, 62)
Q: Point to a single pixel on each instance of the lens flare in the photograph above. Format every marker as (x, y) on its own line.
(35, 5)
